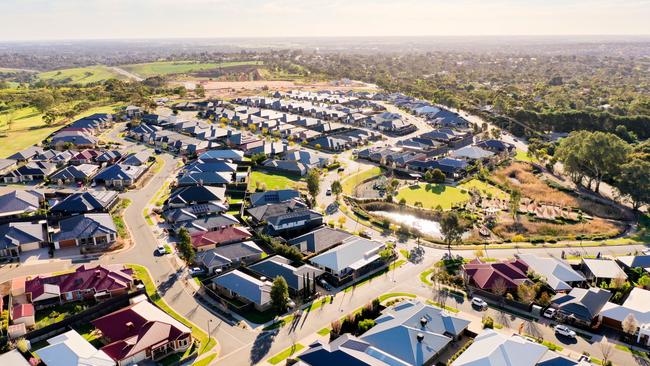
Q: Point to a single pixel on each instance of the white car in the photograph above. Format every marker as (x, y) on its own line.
(161, 250)
(479, 303)
(196, 271)
(564, 331)
(549, 313)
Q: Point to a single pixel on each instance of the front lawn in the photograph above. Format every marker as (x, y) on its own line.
(432, 195)
(272, 181)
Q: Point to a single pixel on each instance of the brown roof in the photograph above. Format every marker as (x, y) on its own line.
(224, 235)
(22, 310)
(485, 275)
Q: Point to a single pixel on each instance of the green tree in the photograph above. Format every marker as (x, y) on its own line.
(43, 101)
(313, 184)
(337, 188)
(437, 176)
(452, 229)
(258, 159)
(199, 90)
(280, 294)
(515, 200)
(634, 182)
(184, 245)
(49, 118)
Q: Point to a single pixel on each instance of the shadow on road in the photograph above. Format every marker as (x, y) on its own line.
(262, 345)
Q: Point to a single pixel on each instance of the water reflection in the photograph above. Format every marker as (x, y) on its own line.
(426, 227)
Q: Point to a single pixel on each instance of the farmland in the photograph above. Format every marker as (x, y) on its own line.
(179, 67)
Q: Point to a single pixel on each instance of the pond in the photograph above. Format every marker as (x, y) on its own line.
(426, 227)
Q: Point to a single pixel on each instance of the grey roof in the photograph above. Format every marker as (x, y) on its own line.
(226, 254)
(209, 223)
(85, 226)
(20, 201)
(245, 286)
(552, 358)
(634, 261)
(16, 233)
(28, 153)
(190, 213)
(494, 349)
(275, 196)
(207, 178)
(263, 212)
(346, 350)
(137, 158)
(120, 172)
(354, 253)
(85, 202)
(213, 166)
(397, 330)
(603, 268)
(197, 194)
(74, 172)
(295, 216)
(471, 152)
(291, 166)
(558, 274)
(7, 163)
(584, 304)
(276, 265)
(320, 239)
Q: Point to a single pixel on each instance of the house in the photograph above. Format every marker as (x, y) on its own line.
(205, 178)
(75, 173)
(192, 212)
(18, 237)
(320, 240)
(7, 165)
(216, 155)
(74, 139)
(291, 167)
(493, 276)
(23, 314)
(84, 282)
(346, 350)
(630, 262)
(33, 170)
(204, 240)
(261, 213)
(471, 153)
(27, 154)
(453, 168)
(59, 158)
(85, 229)
(137, 159)
(119, 175)
(229, 255)
(580, 306)
(556, 273)
(449, 119)
(192, 195)
(635, 306)
(309, 159)
(496, 146)
(20, 202)
(597, 270)
(133, 111)
(86, 202)
(271, 197)
(13, 358)
(85, 157)
(109, 157)
(241, 286)
(293, 221)
(207, 223)
(71, 349)
(496, 349)
(141, 332)
(349, 260)
(296, 276)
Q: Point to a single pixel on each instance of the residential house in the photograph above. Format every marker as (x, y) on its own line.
(229, 255)
(308, 158)
(629, 262)
(272, 197)
(86, 202)
(60, 158)
(141, 332)
(346, 350)
(7, 165)
(492, 276)
(351, 259)
(23, 314)
(496, 349)
(207, 223)
(85, 282)
(193, 195)
(453, 168)
(86, 229)
(109, 157)
(635, 305)
(447, 118)
(85, 157)
(205, 240)
(296, 276)
(291, 167)
(244, 287)
(133, 111)
(206, 178)
(27, 154)
(74, 139)
(580, 306)
(292, 222)
(261, 213)
(120, 175)
(320, 240)
(597, 270)
(75, 174)
(71, 349)
(32, 171)
(20, 202)
(192, 212)
(471, 153)
(557, 273)
(13, 358)
(496, 146)
(18, 237)
(137, 159)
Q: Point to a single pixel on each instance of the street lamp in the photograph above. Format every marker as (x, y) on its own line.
(209, 331)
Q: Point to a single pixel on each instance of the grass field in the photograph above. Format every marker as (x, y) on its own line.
(523, 156)
(432, 195)
(273, 180)
(485, 189)
(28, 129)
(82, 75)
(179, 67)
(355, 179)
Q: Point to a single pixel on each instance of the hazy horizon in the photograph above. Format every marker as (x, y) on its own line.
(69, 20)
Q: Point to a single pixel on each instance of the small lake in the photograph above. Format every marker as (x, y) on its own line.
(426, 227)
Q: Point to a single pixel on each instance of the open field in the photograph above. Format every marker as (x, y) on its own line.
(81, 75)
(523, 156)
(432, 195)
(179, 67)
(28, 128)
(273, 181)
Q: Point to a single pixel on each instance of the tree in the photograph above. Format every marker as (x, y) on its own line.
(313, 184)
(629, 324)
(22, 345)
(199, 90)
(49, 117)
(606, 350)
(452, 229)
(633, 182)
(43, 101)
(258, 159)
(526, 293)
(181, 91)
(437, 176)
(337, 188)
(185, 248)
(280, 294)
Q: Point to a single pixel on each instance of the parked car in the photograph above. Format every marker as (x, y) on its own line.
(328, 192)
(563, 330)
(325, 285)
(196, 271)
(160, 250)
(549, 313)
(584, 358)
(364, 234)
(479, 303)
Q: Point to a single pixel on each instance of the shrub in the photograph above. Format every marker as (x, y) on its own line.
(518, 238)
(54, 314)
(488, 322)
(365, 324)
(336, 327)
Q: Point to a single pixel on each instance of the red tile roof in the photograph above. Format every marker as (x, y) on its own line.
(22, 310)
(87, 154)
(485, 275)
(224, 235)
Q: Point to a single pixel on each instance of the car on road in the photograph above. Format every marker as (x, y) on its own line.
(364, 234)
(161, 250)
(328, 192)
(563, 330)
(479, 303)
(549, 313)
(196, 271)
(325, 285)
(332, 208)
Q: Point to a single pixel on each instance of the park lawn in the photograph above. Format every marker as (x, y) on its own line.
(485, 188)
(285, 354)
(523, 156)
(205, 343)
(432, 195)
(354, 180)
(82, 75)
(28, 128)
(179, 67)
(273, 180)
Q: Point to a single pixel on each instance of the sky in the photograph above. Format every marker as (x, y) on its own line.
(138, 19)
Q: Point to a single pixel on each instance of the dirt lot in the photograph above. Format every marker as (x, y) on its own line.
(232, 89)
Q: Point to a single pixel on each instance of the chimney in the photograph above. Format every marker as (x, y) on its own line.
(423, 321)
(420, 337)
(130, 325)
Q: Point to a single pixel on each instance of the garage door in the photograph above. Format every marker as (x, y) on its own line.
(67, 243)
(30, 246)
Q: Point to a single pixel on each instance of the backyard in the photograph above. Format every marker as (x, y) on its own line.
(57, 313)
(269, 181)
(432, 195)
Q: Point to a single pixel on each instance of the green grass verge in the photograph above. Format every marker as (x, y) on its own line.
(398, 263)
(205, 361)
(395, 294)
(285, 354)
(634, 352)
(432, 195)
(205, 343)
(324, 331)
(352, 181)
(147, 218)
(405, 253)
(448, 308)
(426, 275)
